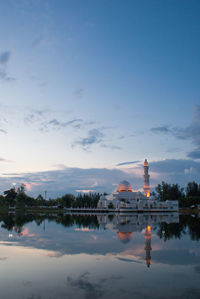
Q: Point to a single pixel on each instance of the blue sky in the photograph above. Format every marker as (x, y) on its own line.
(87, 85)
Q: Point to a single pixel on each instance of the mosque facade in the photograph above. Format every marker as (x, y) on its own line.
(125, 199)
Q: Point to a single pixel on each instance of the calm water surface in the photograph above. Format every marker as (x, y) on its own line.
(122, 256)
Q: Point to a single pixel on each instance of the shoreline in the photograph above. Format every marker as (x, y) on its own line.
(65, 211)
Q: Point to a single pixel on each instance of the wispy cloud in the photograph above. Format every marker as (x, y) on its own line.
(162, 129)
(78, 93)
(55, 124)
(45, 122)
(113, 147)
(85, 191)
(3, 131)
(41, 82)
(34, 116)
(38, 40)
(4, 59)
(5, 160)
(127, 163)
(5, 77)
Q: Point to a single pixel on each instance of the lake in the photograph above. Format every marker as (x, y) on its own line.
(100, 256)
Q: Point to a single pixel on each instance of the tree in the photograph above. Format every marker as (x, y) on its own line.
(166, 191)
(10, 196)
(111, 206)
(21, 189)
(66, 201)
(192, 189)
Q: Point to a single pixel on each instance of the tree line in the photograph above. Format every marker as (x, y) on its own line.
(190, 196)
(17, 196)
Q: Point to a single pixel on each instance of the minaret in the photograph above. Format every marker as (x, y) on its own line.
(146, 179)
(148, 245)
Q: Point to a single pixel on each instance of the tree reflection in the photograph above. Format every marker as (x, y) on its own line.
(186, 224)
(166, 231)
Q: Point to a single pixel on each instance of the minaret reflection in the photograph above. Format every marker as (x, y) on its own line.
(126, 225)
(148, 245)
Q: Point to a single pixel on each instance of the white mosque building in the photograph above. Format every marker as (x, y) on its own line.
(125, 199)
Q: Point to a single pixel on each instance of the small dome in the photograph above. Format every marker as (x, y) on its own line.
(124, 186)
(125, 237)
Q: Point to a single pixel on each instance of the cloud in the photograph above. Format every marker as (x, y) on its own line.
(70, 180)
(127, 163)
(78, 93)
(191, 132)
(4, 57)
(43, 119)
(174, 171)
(85, 191)
(194, 154)
(42, 83)
(92, 290)
(128, 260)
(38, 40)
(3, 258)
(175, 257)
(161, 129)
(31, 118)
(173, 165)
(55, 254)
(4, 76)
(26, 233)
(167, 129)
(5, 160)
(197, 269)
(113, 147)
(55, 124)
(94, 136)
(3, 131)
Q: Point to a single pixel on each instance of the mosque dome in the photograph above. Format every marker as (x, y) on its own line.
(124, 186)
(125, 237)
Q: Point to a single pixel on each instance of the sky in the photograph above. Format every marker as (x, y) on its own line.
(89, 89)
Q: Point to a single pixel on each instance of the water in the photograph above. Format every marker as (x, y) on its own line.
(127, 256)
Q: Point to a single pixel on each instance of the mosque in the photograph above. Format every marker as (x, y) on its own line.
(124, 199)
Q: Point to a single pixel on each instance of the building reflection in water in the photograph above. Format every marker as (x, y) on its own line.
(126, 224)
(148, 245)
